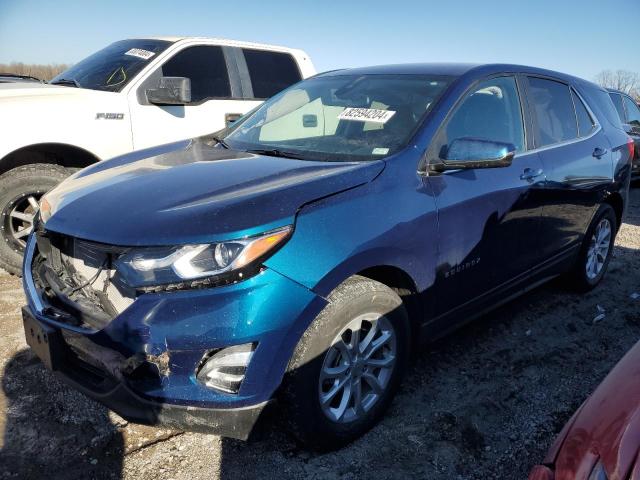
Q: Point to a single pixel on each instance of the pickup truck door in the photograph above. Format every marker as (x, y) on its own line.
(488, 218)
(216, 98)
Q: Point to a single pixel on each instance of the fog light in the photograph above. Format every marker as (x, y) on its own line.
(225, 370)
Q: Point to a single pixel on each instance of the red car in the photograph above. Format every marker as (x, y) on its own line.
(602, 439)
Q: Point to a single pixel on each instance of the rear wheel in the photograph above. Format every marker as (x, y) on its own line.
(596, 250)
(20, 192)
(348, 365)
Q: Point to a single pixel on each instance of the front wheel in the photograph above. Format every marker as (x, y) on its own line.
(348, 365)
(596, 251)
(20, 192)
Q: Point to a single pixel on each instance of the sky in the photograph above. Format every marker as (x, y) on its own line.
(580, 37)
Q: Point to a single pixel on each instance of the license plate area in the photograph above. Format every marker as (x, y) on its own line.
(45, 341)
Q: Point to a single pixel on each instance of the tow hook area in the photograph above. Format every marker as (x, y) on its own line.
(117, 365)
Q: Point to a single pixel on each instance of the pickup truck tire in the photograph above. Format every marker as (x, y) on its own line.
(20, 190)
(595, 253)
(334, 393)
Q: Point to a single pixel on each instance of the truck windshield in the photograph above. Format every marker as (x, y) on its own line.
(340, 117)
(113, 67)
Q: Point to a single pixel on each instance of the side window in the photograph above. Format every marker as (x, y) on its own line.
(553, 110)
(633, 112)
(585, 122)
(491, 112)
(270, 72)
(205, 67)
(617, 102)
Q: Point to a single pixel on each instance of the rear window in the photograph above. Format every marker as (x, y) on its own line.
(600, 98)
(617, 102)
(553, 110)
(585, 122)
(633, 113)
(270, 72)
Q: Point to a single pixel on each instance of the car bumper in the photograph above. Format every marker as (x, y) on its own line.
(166, 336)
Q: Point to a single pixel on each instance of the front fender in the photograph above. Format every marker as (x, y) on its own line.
(391, 221)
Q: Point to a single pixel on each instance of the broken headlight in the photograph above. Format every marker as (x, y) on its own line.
(146, 267)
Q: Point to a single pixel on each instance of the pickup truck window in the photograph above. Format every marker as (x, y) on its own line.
(111, 68)
(270, 72)
(205, 66)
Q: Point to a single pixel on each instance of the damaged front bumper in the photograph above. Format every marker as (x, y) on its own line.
(143, 363)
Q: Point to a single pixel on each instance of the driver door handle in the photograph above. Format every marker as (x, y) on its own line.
(600, 152)
(530, 173)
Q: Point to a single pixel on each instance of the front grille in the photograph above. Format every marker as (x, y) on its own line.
(78, 281)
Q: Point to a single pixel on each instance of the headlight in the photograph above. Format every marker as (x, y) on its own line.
(154, 266)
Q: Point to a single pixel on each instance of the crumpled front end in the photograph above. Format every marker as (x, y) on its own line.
(140, 353)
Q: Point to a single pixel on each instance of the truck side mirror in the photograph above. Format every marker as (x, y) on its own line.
(170, 91)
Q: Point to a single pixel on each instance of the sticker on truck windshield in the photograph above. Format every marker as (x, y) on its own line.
(366, 115)
(140, 53)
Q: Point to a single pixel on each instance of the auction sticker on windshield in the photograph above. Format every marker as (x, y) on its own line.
(366, 115)
(140, 53)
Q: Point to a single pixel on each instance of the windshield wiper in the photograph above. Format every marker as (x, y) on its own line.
(66, 81)
(220, 141)
(276, 153)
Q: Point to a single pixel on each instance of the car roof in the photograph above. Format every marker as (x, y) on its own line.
(619, 92)
(219, 41)
(454, 70)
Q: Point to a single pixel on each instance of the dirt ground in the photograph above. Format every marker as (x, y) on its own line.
(486, 402)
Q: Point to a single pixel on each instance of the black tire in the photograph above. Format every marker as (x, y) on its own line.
(16, 186)
(355, 297)
(579, 279)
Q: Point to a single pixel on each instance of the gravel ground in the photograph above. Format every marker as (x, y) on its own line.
(486, 402)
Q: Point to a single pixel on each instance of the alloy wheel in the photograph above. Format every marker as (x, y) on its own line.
(357, 368)
(598, 249)
(18, 217)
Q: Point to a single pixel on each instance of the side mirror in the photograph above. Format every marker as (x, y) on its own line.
(468, 153)
(170, 91)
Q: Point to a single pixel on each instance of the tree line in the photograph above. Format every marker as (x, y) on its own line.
(43, 72)
(623, 80)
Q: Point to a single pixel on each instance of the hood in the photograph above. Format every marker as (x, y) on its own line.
(33, 89)
(607, 427)
(191, 192)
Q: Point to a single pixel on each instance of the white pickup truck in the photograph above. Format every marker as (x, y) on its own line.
(133, 94)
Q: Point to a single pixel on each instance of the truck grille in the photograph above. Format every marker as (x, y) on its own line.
(77, 279)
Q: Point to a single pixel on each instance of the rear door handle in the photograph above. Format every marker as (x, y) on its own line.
(600, 152)
(530, 173)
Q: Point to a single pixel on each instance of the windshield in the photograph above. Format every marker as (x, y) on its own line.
(340, 117)
(113, 67)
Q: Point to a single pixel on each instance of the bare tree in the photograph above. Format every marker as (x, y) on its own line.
(623, 80)
(43, 72)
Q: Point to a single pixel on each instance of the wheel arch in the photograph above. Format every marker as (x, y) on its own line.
(617, 203)
(403, 284)
(65, 155)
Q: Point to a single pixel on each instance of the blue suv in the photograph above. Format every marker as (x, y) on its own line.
(303, 253)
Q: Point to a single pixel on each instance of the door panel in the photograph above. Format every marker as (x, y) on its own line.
(576, 156)
(212, 99)
(488, 219)
(488, 223)
(575, 183)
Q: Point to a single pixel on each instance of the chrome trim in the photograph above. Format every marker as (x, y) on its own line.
(566, 142)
